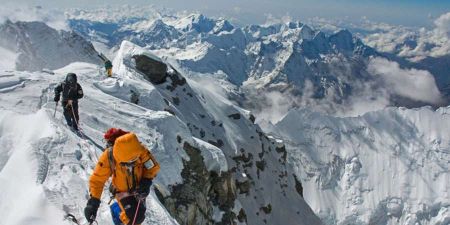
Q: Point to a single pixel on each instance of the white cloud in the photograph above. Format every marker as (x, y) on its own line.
(389, 80)
(411, 43)
(52, 18)
(272, 106)
(271, 19)
(411, 83)
(443, 24)
(276, 106)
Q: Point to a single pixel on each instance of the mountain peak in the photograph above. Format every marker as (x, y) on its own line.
(342, 40)
(40, 46)
(294, 25)
(306, 32)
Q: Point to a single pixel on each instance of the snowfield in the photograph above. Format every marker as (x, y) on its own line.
(44, 168)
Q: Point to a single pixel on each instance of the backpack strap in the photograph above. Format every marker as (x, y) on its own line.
(112, 162)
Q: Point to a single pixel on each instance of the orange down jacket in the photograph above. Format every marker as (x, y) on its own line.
(127, 148)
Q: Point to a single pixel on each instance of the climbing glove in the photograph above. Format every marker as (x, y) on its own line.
(90, 212)
(144, 187)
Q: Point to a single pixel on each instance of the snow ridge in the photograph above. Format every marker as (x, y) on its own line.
(39, 46)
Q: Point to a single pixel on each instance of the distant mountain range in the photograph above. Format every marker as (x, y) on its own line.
(282, 57)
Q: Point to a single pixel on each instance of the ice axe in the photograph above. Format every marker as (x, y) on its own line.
(73, 219)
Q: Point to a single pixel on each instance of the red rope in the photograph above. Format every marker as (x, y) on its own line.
(82, 134)
(137, 210)
(76, 121)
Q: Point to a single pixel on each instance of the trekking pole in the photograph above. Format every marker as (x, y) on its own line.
(56, 106)
(137, 210)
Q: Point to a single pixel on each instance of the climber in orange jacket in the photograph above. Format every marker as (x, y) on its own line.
(132, 168)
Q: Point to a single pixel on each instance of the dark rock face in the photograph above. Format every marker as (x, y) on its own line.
(176, 80)
(192, 202)
(134, 97)
(298, 186)
(235, 116)
(154, 70)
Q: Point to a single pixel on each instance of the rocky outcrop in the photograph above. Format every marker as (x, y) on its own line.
(202, 193)
(154, 70)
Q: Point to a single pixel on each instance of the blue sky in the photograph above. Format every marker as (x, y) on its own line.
(404, 12)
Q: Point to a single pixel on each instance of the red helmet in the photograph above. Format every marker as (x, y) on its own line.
(113, 133)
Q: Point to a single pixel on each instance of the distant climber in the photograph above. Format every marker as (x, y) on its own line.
(71, 91)
(108, 64)
(132, 168)
(108, 67)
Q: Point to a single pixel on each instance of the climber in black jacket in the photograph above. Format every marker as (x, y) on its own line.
(71, 92)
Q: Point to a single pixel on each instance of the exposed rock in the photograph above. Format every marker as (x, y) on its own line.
(267, 209)
(282, 150)
(252, 118)
(218, 143)
(202, 133)
(298, 186)
(176, 100)
(169, 111)
(176, 80)
(243, 187)
(235, 116)
(242, 216)
(192, 201)
(245, 159)
(134, 98)
(261, 165)
(154, 70)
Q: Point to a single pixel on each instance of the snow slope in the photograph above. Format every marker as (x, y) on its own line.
(23, 137)
(385, 167)
(8, 59)
(167, 118)
(39, 46)
(55, 163)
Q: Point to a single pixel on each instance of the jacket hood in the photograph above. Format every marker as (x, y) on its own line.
(127, 148)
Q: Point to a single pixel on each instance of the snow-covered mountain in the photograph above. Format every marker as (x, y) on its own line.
(217, 166)
(37, 46)
(209, 45)
(291, 59)
(385, 167)
(424, 48)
